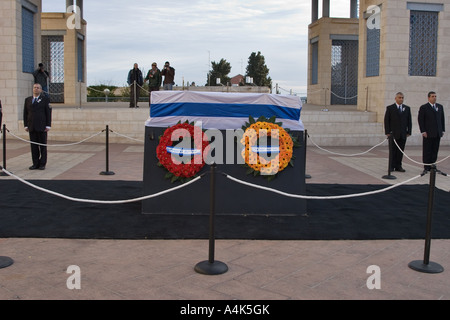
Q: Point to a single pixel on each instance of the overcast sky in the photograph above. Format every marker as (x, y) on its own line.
(191, 34)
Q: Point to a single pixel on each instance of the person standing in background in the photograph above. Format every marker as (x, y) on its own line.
(154, 80)
(135, 81)
(42, 77)
(432, 127)
(37, 118)
(169, 75)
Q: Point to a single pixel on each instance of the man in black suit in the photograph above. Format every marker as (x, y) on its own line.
(398, 123)
(37, 121)
(432, 126)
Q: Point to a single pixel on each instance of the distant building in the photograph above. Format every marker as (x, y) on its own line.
(385, 46)
(237, 80)
(29, 37)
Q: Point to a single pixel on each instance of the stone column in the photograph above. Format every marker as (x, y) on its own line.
(314, 10)
(326, 8)
(80, 5)
(353, 8)
(69, 3)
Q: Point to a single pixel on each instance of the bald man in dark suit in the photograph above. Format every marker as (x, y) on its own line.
(37, 119)
(398, 123)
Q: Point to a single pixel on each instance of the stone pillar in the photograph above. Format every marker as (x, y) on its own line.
(80, 5)
(314, 10)
(326, 8)
(353, 8)
(69, 3)
(77, 3)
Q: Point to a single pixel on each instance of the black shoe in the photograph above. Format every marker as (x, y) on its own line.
(42, 168)
(425, 171)
(400, 169)
(33, 167)
(137, 106)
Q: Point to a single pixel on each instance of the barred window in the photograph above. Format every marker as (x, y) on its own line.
(315, 63)
(423, 37)
(373, 52)
(27, 40)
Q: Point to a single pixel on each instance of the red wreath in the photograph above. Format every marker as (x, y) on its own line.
(177, 169)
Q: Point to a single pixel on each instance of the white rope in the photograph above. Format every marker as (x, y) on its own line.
(343, 97)
(143, 88)
(55, 145)
(292, 92)
(101, 201)
(321, 197)
(347, 155)
(131, 138)
(417, 162)
(89, 88)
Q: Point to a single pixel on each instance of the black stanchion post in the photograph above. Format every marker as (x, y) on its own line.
(391, 145)
(211, 266)
(307, 176)
(107, 172)
(425, 265)
(4, 150)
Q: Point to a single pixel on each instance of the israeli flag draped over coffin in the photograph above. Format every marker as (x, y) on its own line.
(222, 110)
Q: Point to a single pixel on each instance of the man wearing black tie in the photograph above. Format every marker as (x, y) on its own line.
(37, 122)
(432, 126)
(398, 123)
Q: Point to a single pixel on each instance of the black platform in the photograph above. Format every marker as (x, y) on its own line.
(397, 214)
(231, 197)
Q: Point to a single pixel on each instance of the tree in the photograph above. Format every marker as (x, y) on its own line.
(258, 70)
(220, 70)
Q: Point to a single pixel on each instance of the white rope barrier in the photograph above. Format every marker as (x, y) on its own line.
(124, 136)
(418, 162)
(143, 88)
(321, 197)
(343, 97)
(89, 88)
(292, 92)
(358, 154)
(229, 177)
(73, 143)
(56, 145)
(101, 201)
(347, 155)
